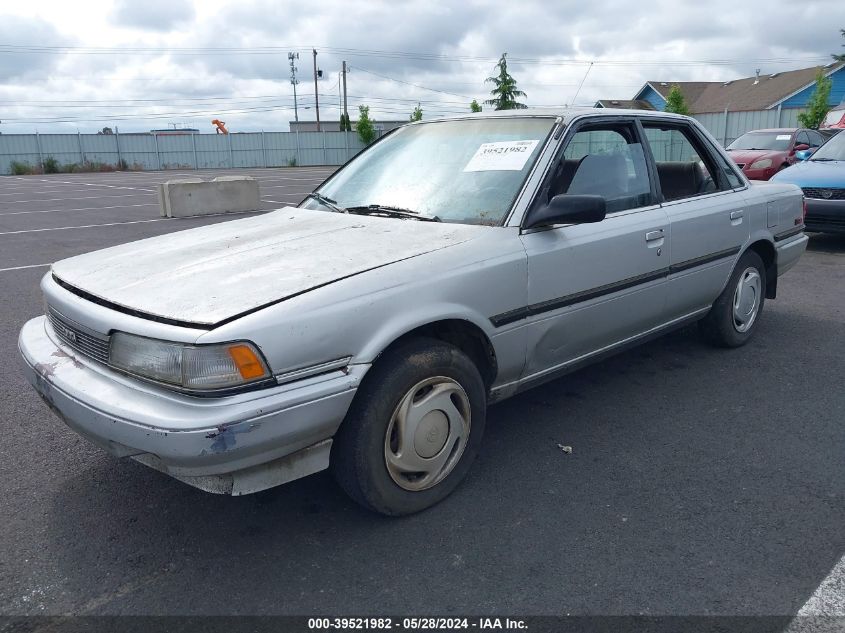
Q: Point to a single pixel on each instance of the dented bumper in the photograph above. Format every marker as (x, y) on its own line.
(235, 444)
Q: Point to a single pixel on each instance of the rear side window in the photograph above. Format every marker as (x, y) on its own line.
(684, 167)
(605, 160)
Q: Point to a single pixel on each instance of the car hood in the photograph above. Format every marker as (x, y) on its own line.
(209, 275)
(814, 173)
(748, 156)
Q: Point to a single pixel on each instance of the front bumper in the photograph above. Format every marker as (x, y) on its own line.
(236, 444)
(826, 216)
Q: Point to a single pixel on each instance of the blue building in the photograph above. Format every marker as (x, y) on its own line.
(778, 91)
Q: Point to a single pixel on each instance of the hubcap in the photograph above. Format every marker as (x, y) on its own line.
(747, 299)
(427, 434)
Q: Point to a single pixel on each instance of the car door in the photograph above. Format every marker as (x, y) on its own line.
(594, 285)
(708, 223)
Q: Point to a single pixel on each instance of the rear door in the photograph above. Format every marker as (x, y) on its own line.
(708, 223)
(594, 285)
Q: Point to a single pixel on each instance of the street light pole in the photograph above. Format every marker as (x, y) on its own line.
(345, 111)
(291, 58)
(316, 96)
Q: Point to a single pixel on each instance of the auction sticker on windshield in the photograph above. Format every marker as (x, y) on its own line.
(501, 156)
(783, 137)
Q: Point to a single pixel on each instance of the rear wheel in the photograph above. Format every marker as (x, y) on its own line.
(733, 318)
(413, 429)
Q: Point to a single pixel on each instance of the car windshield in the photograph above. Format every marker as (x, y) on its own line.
(777, 141)
(466, 171)
(834, 149)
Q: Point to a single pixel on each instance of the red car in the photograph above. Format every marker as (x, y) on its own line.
(762, 153)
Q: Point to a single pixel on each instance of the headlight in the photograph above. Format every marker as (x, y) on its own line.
(763, 163)
(195, 367)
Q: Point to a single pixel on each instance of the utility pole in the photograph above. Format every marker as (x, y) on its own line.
(316, 96)
(345, 111)
(292, 57)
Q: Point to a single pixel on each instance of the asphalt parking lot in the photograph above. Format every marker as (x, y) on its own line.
(701, 481)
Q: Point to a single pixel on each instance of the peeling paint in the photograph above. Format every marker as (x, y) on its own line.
(225, 437)
(62, 354)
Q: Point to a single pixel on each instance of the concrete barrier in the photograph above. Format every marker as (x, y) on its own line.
(192, 197)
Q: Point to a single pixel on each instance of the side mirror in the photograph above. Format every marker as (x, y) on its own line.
(568, 209)
(800, 147)
(804, 154)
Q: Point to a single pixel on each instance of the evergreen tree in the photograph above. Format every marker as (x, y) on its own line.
(505, 92)
(416, 115)
(474, 107)
(675, 101)
(345, 125)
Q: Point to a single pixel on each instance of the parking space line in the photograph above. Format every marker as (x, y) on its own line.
(93, 226)
(87, 184)
(117, 206)
(117, 195)
(6, 270)
(84, 226)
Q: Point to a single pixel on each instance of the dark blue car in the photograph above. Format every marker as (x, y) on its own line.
(822, 177)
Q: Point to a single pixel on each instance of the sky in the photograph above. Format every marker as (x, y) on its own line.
(138, 65)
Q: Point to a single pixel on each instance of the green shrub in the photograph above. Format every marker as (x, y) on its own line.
(50, 165)
(292, 161)
(20, 169)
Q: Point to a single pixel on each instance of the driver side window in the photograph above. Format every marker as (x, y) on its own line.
(604, 160)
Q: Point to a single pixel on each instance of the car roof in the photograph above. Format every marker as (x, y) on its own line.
(559, 111)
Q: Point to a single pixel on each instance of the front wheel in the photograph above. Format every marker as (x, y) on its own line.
(413, 429)
(734, 316)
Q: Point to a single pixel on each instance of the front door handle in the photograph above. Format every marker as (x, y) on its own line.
(737, 215)
(651, 236)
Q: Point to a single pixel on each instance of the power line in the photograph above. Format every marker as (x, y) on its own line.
(274, 50)
(408, 83)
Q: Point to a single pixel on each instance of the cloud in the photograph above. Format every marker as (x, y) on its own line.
(448, 48)
(22, 31)
(153, 15)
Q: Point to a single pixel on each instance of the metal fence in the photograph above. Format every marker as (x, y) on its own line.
(183, 151)
(264, 149)
(728, 126)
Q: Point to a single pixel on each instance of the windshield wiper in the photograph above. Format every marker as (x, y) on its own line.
(327, 202)
(392, 212)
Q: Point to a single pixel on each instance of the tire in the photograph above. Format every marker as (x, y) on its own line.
(735, 314)
(375, 454)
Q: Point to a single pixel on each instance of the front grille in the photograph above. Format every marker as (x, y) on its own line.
(824, 194)
(72, 335)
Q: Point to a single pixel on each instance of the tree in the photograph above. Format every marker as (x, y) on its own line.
(345, 125)
(675, 101)
(840, 58)
(416, 115)
(819, 104)
(474, 107)
(366, 129)
(106, 130)
(504, 93)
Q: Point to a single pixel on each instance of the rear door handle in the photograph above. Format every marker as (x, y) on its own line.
(737, 215)
(654, 235)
